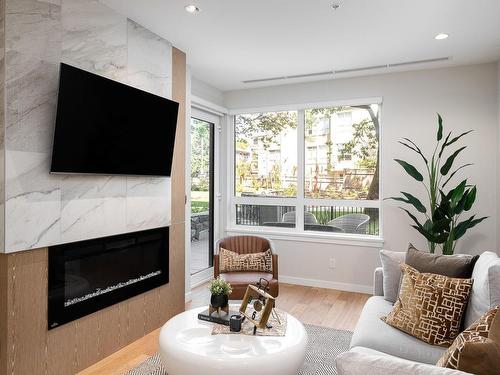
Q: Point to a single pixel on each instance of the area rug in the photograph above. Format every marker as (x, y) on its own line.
(324, 345)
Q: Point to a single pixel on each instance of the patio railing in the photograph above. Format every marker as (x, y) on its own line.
(260, 215)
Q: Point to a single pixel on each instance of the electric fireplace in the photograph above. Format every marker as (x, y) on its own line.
(87, 276)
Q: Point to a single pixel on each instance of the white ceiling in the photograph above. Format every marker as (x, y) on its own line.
(230, 41)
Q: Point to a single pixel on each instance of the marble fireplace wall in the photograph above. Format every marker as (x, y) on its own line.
(43, 209)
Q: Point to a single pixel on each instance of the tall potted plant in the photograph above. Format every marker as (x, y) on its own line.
(442, 224)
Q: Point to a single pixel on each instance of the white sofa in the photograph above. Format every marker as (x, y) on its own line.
(377, 348)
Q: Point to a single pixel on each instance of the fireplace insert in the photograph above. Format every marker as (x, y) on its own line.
(90, 275)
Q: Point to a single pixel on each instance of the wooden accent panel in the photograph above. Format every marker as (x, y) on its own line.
(28, 348)
(178, 166)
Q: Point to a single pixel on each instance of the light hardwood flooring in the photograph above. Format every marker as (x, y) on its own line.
(323, 307)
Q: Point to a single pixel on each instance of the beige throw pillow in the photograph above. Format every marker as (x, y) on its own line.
(258, 262)
(477, 349)
(430, 307)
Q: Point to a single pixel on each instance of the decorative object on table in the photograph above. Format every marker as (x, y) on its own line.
(235, 322)
(277, 322)
(477, 349)
(441, 226)
(430, 307)
(213, 317)
(219, 299)
(263, 305)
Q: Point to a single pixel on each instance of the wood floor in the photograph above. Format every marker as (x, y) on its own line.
(323, 307)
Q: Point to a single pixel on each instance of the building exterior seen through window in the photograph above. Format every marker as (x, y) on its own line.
(339, 164)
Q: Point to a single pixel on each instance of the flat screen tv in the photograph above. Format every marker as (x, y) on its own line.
(106, 127)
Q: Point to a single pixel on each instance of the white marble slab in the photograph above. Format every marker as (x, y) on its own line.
(41, 209)
(146, 68)
(94, 38)
(148, 203)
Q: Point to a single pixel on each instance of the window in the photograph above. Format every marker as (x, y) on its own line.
(331, 185)
(273, 170)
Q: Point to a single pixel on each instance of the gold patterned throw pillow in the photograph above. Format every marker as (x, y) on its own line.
(258, 262)
(477, 349)
(430, 307)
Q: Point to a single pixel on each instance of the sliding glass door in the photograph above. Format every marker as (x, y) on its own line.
(202, 195)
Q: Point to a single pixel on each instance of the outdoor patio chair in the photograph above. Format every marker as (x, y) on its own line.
(351, 223)
(309, 218)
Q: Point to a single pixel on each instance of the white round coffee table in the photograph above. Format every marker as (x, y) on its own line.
(187, 347)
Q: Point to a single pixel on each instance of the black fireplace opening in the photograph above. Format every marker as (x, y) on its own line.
(90, 275)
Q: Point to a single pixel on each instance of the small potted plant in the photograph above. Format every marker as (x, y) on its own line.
(220, 290)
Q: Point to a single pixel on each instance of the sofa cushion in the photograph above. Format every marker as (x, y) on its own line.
(485, 292)
(364, 361)
(457, 265)
(477, 349)
(391, 262)
(373, 333)
(430, 307)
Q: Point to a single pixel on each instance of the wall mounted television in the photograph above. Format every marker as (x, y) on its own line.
(106, 127)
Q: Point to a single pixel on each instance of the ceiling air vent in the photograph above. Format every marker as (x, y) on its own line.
(309, 75)
(418, 62)
(345, 71)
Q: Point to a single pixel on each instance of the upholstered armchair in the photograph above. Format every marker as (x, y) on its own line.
(239, 280)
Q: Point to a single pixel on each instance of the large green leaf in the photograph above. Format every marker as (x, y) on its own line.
(454, 172)
(415, 148)
(415, 202)
(459, 207)
(462, 227)
(471, 197)
(457, 193)
(449, 162)
(441, 225)
(412, 217)
(453, 140)
(411, 170)
(440, 128)
(444, 144)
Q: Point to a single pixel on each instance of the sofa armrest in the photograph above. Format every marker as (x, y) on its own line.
(378, 282)
(362, 361)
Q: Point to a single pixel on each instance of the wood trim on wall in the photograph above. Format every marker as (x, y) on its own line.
(28, 348)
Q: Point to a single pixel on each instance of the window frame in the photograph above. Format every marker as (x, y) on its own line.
(300, 201)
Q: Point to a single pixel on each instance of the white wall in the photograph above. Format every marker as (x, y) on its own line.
(466, 97)
(498, 156)
(205, 91)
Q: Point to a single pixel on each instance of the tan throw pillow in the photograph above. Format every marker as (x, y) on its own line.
(430, 307)
(259, 262)
(477, 349)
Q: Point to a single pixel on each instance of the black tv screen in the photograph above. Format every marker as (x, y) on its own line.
(106, 127)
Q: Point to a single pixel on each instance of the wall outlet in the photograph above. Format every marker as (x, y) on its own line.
(332, 264)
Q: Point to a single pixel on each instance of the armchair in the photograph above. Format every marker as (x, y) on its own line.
(239, 280)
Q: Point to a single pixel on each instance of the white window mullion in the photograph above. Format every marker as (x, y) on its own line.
(299, 217)
(231, 209)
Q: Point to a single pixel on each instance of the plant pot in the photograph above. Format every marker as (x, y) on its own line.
(219, 300)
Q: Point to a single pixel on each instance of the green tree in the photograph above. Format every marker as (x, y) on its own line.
(266, 127)
(200, 148)
(364, 144)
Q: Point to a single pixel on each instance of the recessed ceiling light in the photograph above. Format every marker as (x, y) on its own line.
(192, 9)
(441, 36)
